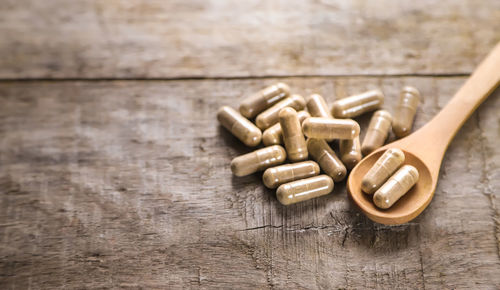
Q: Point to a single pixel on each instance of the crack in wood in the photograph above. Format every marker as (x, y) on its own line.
(261, 227)
(223, 78)
(485, 181)
(421, 260)
(345, 236)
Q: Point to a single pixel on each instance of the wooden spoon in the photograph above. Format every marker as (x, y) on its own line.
(425, 148)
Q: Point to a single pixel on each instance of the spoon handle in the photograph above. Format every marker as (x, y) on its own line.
(435, 136)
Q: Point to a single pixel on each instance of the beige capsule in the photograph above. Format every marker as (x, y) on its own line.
(240, 127)
(295, 142)
(276, 176)
(263, 99)
(356, 105)
(304, 189)
(378, 130)
(258, 160)
(397, 186)
(326, 158)
(405, 112)
(271, 116)
(350, 152)
(317, 106)
(274, 135)
(383, 168)
(326, 128)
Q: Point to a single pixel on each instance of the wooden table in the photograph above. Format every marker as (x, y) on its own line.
(115, 173)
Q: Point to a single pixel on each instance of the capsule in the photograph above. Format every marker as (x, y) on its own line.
(239, 126)
(295, 142)
(271, 116)
(317, 106)
(356, 105)
(326, 158)
(405, 112)
(325, 128)
(377, 132)
(274, 135)
(258, 160)
(304, 189)
(263, 99)
(276, 176)
(397, 186)
(385, 166)
(350, 152)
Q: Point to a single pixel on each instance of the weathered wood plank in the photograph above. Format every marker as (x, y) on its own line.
(127, 184)
(174, 39)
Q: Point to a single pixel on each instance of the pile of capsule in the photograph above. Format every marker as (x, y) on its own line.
(282, 119)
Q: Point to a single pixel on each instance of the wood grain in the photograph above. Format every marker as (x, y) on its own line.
(127, 184)
(198, 38)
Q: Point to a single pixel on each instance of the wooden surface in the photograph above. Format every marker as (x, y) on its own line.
(111, 180)
(200, 38)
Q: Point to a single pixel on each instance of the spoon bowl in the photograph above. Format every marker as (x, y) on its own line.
(425, 148)
(406, 208)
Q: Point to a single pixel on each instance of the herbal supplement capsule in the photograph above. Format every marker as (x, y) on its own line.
(350, 152)
(276, 176)
(258, 160)
(397, 186)
(304, 189)
(239, 126)
(356, 105)
(295, 142)
(326, 158)
(325, 128)
(274, 135)
(271, 116)
(263, 99)
(385, 166)
(405, 112)
(377, 132)
(317, 106)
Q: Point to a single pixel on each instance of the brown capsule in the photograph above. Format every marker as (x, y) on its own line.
(258, 160)
(295, 142)
(397, 186)
(239, 126)
(263, 99)
(405, 112)
(325, 128)
(274, 135)
(378, 130)
(317, 106)
(304, 189)
(326, 158)
(356, 105)
(271, 116)
(276, 176)
(385, 166)
(350, 152)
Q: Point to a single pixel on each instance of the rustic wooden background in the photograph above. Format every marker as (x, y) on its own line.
(114, 172)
